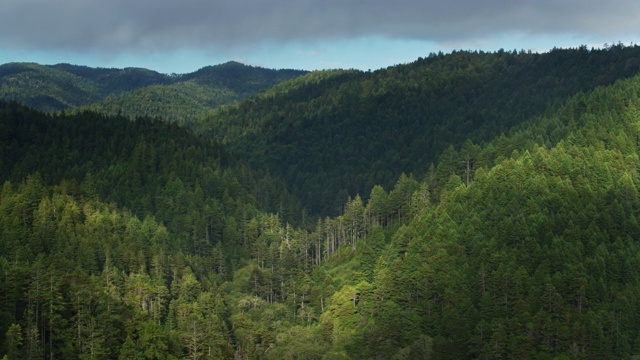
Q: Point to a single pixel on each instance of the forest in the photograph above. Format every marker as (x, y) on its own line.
(368, 128)
(511, 230)
(181, 98)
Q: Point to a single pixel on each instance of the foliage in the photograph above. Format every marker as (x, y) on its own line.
(134, 91)
(337, 134)
(142, 240)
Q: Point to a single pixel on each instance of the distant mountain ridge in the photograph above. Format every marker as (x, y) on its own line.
(134, 91)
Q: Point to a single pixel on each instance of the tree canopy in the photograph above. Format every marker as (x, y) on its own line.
(140, 239)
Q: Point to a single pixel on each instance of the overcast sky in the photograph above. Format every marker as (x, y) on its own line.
(179, 36)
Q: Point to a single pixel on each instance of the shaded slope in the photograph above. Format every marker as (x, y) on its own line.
(535, 258)
(343, 135)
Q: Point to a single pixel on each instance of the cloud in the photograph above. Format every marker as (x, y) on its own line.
(157, 25)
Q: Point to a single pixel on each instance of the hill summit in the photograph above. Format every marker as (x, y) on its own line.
(134, 91)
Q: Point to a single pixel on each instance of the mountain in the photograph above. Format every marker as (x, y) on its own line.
(349, 131)
(63, 86)
(134, 91)
(139, 238)
(241, 79)
(536, 257)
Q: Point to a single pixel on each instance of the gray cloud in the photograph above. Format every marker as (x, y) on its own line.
(148, 25)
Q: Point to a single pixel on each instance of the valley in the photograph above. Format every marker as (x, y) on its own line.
(467, 205)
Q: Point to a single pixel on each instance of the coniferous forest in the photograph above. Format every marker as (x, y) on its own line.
(464, 206)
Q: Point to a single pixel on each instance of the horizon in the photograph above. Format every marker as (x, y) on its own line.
(591, 47)
(309, 35)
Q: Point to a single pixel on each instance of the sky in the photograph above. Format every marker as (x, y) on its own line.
(181, 36)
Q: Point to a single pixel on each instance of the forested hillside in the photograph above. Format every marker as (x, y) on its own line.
(340, 136)
(62, 86)
(182, 98)
(113, 194)
(145, 240)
